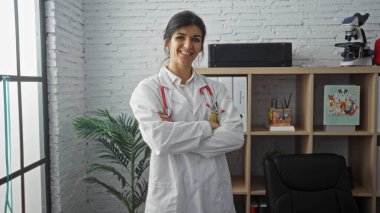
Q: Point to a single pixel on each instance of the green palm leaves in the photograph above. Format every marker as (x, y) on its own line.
(121, 147)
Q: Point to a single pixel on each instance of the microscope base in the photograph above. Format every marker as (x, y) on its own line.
(366, 61)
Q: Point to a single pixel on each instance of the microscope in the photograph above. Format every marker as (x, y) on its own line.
(356, 51)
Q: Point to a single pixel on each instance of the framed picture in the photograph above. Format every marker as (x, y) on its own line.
(341, 105)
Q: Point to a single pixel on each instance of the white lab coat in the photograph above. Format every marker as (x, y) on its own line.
(188, 166)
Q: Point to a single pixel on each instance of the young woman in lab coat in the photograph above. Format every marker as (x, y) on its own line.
(188, 166)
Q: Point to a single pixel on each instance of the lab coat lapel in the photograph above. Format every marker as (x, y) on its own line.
(199, 83)
(173, 95)
(164, 80)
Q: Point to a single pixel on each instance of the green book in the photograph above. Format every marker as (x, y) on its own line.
(341, 105)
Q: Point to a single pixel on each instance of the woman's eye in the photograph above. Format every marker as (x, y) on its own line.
(196, 40)
(180, 37)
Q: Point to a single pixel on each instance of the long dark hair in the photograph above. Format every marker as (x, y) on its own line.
(181, 19)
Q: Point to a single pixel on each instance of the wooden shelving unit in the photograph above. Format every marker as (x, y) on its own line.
(358, 147)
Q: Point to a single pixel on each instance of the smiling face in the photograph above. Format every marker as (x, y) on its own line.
(184, 46)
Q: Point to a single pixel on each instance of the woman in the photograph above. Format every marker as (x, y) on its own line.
(188, 167)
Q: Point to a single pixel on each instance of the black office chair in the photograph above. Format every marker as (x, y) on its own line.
(308, 183)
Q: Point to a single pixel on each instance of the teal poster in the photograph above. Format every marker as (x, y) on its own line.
(341, 105)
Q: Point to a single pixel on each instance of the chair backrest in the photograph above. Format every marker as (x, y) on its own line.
(308, 183)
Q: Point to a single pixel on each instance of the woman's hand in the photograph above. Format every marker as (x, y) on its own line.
(214, 124)
(164, 117)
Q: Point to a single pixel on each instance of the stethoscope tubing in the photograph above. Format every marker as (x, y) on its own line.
(212, 108)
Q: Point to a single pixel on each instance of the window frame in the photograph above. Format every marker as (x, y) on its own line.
(44, 161)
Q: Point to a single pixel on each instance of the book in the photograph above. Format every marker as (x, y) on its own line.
(289, 128)
(263, 205)
(341, 107)
(258, 205)
(227, 81)
(378, 170)
(255, 206)
(338, 128)
(239, 94)
(378, 107)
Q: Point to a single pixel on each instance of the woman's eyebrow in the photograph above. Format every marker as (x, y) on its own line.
(183, 34)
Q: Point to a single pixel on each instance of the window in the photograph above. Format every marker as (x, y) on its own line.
(22, 58)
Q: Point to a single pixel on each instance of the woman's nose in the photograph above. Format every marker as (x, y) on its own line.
(188, 43)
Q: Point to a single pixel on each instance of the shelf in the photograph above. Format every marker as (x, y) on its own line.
(238, 185)
(356, 133)
(344, 70)
(257, 185)
(307, 103)
(318, 130)
(359, 191)
(285, 70)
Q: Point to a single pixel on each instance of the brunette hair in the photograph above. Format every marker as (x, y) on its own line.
(181, 19)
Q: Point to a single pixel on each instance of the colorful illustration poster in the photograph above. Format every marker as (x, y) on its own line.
(341, 105)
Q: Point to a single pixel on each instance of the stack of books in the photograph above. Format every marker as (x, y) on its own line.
(259, 205)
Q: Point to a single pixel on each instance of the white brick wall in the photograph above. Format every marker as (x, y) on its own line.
(66, 86)
(122, 43)
(124, 38)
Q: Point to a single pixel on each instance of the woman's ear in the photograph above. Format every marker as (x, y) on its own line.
(166, 44)
(167, 47)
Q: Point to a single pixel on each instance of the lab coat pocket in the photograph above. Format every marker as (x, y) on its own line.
(163, 197)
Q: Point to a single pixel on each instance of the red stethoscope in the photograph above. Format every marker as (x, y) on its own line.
(212, 106)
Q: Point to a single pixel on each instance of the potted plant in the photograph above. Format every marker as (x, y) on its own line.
(120, 145)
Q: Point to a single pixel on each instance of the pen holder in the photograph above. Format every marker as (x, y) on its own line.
(213, 117)
(279, 116)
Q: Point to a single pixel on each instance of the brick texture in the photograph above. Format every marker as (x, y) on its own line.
(66, 86)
